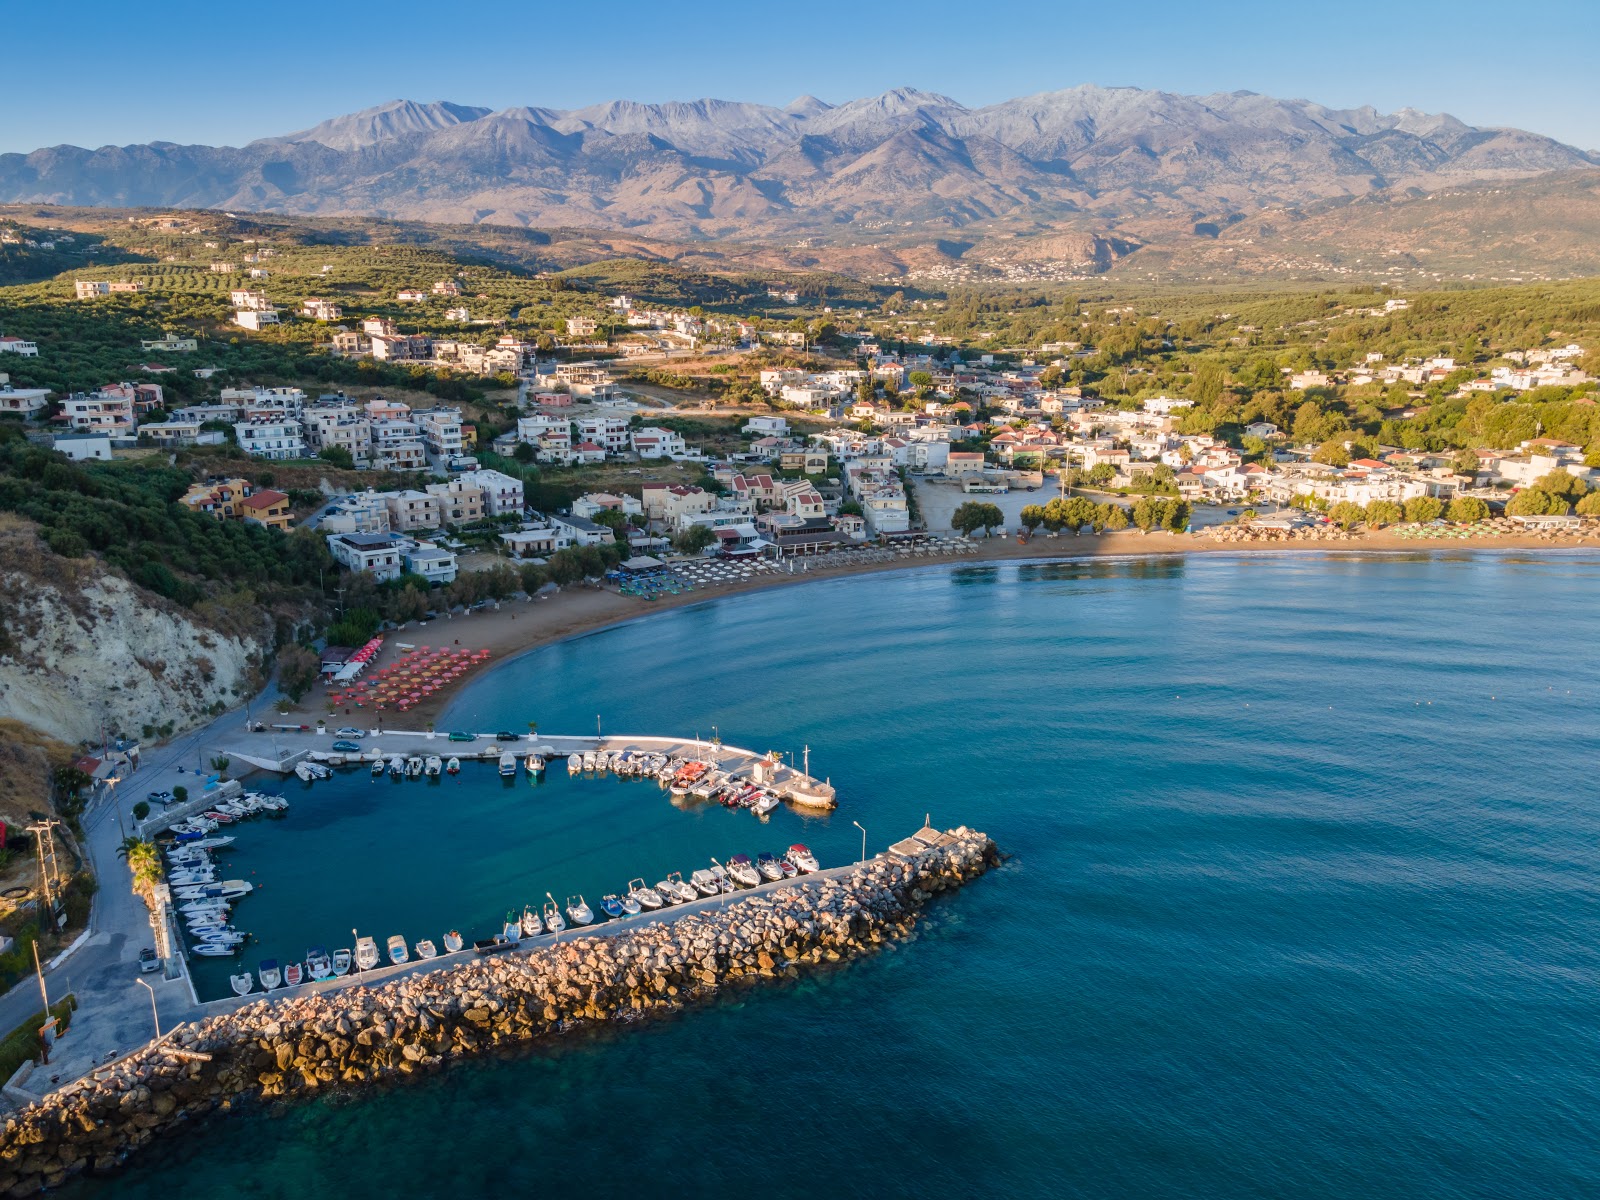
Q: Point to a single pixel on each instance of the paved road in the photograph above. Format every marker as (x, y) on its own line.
(114, 1013)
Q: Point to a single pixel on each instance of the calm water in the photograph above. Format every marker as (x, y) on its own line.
(1303, 899)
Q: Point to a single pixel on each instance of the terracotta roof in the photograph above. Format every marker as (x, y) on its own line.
(265, 498)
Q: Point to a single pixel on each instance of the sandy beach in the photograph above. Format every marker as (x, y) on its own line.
(520, 625)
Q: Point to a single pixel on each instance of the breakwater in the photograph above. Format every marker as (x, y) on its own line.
(360, 1035)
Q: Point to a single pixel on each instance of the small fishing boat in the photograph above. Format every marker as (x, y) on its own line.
(242, 983)
(764, 804)
(611, 906)
(630, 906)
(452, 942)
(705, 883)
(674, 882)
(767, 864)
(453, 767)
(534, 764)
(342, 960)
(508, 764)
(532, 926)
(303, 772)
(318, 964)
(397, 950)
(802, 858)
(426, 949)
(574, 764)
(588, 760)
(413, 766)
(511, 931)
(646, 896)
(216, 949)
(377, 768)
(743, 870)
(366, 954)
(432, 765)
(271, 977)
(211, 843)
(788, 868)
(553, 920)
(719, 876)
(397, 766)
(579, 912)
(293, 975)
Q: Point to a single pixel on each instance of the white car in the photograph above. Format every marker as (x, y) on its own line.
(350, 732)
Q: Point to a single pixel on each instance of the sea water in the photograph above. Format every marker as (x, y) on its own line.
(1303, 896)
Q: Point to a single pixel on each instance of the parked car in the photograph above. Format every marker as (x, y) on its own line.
(505, 735)
(161, 797)
(148, 961)
(350, 731)
(346, 747)
(463, 737)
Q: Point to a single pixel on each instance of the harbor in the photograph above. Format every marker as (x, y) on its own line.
(538, 817)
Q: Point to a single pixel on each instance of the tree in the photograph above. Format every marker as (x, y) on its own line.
(524, 452)
(338, 456)
(975, 515)
(694, 540)
(297, 670)
(1423, 509)
(920, 379)
(1101, 474)
(1589, 506)
(180, 794)
(144, 863)
(1146, 513)
(141, 810)
(1562, 485)
(1333, 453)
(1384, 512)
(1032, 517)
(1466, 462)
(1110, 517)
(1346, 514)
(1464, 510)
(1534, 502)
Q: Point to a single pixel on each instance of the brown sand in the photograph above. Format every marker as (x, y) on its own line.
(517, 626)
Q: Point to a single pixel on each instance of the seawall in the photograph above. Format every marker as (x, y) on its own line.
(361, 1035)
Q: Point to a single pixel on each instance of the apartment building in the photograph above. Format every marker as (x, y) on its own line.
(397, 445)
(610, 433)
(271, 437)
(502, 493)
(459, 503)
(342, 425)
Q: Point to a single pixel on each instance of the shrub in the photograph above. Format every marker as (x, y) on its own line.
(141, 810)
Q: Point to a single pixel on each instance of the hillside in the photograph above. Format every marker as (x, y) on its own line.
(720, 169)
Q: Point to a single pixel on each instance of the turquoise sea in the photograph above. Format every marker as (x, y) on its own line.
(1303, 896)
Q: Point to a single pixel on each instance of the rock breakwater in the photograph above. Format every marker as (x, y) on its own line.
(359, 1035)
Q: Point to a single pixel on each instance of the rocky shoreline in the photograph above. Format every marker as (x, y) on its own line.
(359, 1035)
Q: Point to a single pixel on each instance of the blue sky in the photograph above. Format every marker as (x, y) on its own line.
(189, 72)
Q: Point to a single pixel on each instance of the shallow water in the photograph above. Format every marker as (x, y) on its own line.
(1303, 897)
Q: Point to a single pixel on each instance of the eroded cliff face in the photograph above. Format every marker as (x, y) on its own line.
(83, 648)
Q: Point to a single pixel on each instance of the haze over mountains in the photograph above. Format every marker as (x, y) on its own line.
(1103, 167)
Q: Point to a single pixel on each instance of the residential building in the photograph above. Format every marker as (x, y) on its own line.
(339, 424)
(19, 347)
(599, 502)
(412, 510)
(363, 512)
(266, 507)
(434, 563)
(459, 503)
(82, 446)
(582, 326)
(179, 433)
(441, 435)
(410, 296)
(446, 287)
(321, 310)
(380, 554)
(255, 319)
(535, 543)
(172, 344)
(220, 498)
(768, 426)
(271, 437)
(583, 531)
(397, 445)
(668, 502)
(608, 432)
(27, 403)
(108, 410)
(963, 462)
(402, 347)
(654, 442)
(502, 493)
(86, 289)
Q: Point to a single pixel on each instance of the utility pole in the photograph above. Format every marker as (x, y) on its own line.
(44, 1037)
(44, 845)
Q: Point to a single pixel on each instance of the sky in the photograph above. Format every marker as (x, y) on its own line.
(225, 74)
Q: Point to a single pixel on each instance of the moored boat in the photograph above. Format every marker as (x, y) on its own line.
(367, 955)
(318, 964)
(705, 883)
(452, 942)
(802, 858)
(508, 764)
(532, 926)
(743, 870)
(647, 897)
(397, 766)
(293, 975)
(271, 977)
(534, 764)
(511, 931)
(764, 804)
(242, 983)
(453, 767)
(630, 906)
(553, 920)
(767, 864)
(216, 949)
(611, 906)
(578, 912)
(397, 950)
(588, 760)
(377, 768)
(426, 949)
(432, 765)
(413, 766)
(574, 764)
(675, 883)
(341, 962)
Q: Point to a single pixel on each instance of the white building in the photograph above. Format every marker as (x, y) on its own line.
(84, 446)
(272, 437)
(381, 554)
(26, 402)
(16, 345)
(654, 442)
(608, 432)
(502, 493)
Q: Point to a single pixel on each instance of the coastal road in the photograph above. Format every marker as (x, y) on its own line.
(114, 1010)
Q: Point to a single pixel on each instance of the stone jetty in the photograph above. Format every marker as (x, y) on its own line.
(361, 1035)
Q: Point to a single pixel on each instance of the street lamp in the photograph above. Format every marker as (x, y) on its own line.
(723, 885)
(153, 1013)
(863, 829)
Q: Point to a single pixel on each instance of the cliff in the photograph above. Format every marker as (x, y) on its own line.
(85, 651)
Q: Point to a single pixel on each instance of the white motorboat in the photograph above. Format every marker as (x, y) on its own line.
(397, 950)
(532, 926)
(602, 760)
(342, 960)
(216, 949)
(453, 767)
(647, 897)
(743, 870)
(534, 764)
(397, 766)
(802, 858)
(588, 760)
(511, 931)
(294, 975)
(769, 868)
(574, 764)
(764, 804)
(303, 772)
(508, 764)
(630, 906)
(705, 883)
(242, 983)
(452, 942)
(426, 949)
(719, 876)
(553, 920)
(378, 767)
(366, 954)
(413, 766)
(271, 977)
(319, 965)
(432, 765)
(675, 883)
(578, 912)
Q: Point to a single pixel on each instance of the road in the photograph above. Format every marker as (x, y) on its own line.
(114, 1011)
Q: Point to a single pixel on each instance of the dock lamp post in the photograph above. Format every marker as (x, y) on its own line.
(153, 1013)
(863, 829)
(722, 901)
